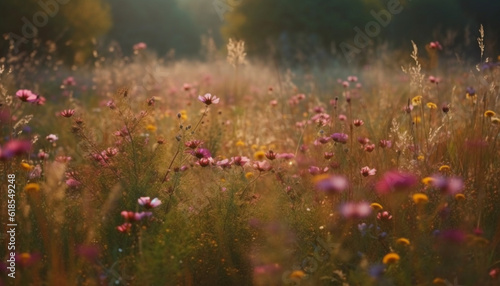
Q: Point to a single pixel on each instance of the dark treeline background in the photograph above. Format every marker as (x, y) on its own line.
(289, 28)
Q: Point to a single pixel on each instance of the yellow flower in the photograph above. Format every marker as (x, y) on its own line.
(254, 147)
(249, 175)
(459, 197)
(376, 206)
(416, 101)
(420, 157)
(427, 180)
(403, 241)
(151, 127)
(305, 114)
(495, 120)
(489, 113)
(240, 143)
(259, 155)
(439, 281)
(417, 119)
(444, 168)
(26, 166)
(431, 105)
(263, 147)
(420, 198)
(391, 258)
(297, 274)
(32, 187)
(183, 114)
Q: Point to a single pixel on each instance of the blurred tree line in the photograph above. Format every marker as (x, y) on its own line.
(293, 29)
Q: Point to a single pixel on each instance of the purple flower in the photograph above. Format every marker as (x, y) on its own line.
(14, 148)
(453, 236)
(201, 153)
(331, 184)
(148, 203)
(470, 91)
(209, 99)
(340, 137)
(449, 186)
(395, 181)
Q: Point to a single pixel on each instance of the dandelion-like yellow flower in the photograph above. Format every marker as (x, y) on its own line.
(151, 127)
(240, 143)
(444, 168)
(489, 113)
(249, 175)
(259, 155)
(391, 258)
(420, 198)
(416, 101)
(27, 166)
(495, 120)
(403, 241)
(376, 206)
(417, 119)
(439, 281)
(297, 274)
(427, 180)
(32, 187)
(420, 157)
(459, 197)
(431, 105)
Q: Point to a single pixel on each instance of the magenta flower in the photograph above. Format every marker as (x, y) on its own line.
(340, 137)
(395, 181)
(355, 210)
(72, 183)
(126, 227)
(69, 81)
(369, 147)
(148, 203)
(131, 216)
(209, 99)
(67, 113)
(201, 153)
(331, 184)
(366, 171)
(26, 95)
(358, 122)
(14, 148)
(204, 162)
(385, 143)
(384, 216)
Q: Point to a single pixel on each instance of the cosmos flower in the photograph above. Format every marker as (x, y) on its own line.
(67, 113)
(148, 203)
(355, 210)
(209, 99)
(340, 137)
(331, 184)
(26, 95)
(366, 171)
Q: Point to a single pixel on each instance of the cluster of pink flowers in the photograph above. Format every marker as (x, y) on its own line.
(131, 217)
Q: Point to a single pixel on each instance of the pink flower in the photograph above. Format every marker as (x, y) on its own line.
(340, 137)
(342, 117)
(209, 99)
(328, 155)
(140, 46)
(352, 78)
(148, 203)
(369, 147)
(286, 156)
(126, 227)
(435, 45)
(14, 148)
(395, 181)
(193, 144)
(449, 186)
(385, 143)
(67, 113)
(384, 216)
(262, 166)
(72, 183)
(26, 95)
(358, 122)
(186, 86)
(69, 81)
(352, 210)
(345, 84)
(366, 171)
(239, 160)
(433, 79)
(52, 138)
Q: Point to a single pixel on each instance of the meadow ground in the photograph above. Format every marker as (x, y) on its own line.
(142, 171)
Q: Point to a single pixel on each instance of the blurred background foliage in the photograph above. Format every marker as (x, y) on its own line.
(291, 29)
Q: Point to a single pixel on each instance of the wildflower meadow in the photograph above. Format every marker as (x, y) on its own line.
(148, 170)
